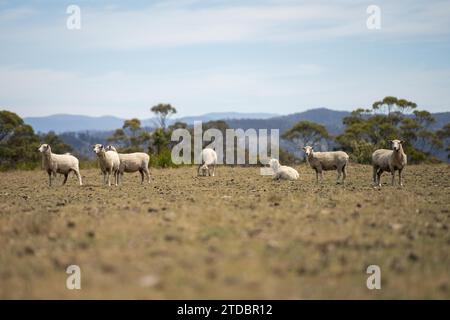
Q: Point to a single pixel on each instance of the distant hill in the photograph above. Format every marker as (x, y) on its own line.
(331, 119)
(73, 123)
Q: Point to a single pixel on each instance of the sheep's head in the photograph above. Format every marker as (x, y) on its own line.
(308, 150)
(274, 164)
(98, 148)
(44, 148)
(111, 148)
(396, 144)
(204, 169)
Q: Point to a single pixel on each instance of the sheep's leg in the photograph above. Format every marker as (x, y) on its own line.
(344, 174)
(375, 170)
(104, 177)
(400, 177)
(50, 179)
(338, 175)
(65, 178)
(392, 177)
(77, 172)
(321, 176)
(142, 176)
(147, 174)
(317, 176)
(116, 178)
(379, 172)
(214, 170)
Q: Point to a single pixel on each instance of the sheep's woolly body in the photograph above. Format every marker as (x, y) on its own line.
(283, 172)
(59, 163)
(134, 162)
(389, 161)
(209, 159)
(325, 161)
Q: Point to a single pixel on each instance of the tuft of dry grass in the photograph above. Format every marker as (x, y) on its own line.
(236, 235)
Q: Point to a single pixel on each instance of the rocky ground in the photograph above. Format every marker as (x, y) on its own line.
(236, 235)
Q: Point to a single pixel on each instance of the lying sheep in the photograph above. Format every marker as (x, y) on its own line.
(389, 160)
(209, 158)
(109, 163)
(325, 161)
(59, 163)
(132, 162)
(282, 172)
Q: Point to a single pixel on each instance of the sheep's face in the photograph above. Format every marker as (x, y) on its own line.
(308, 150)
(396, 144)
(98, 148)
(204, 169)
(274, 164)
(44, 147)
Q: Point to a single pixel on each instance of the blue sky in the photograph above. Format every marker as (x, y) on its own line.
(213, 56)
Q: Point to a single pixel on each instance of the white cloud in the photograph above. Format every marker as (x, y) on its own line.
(188, 23)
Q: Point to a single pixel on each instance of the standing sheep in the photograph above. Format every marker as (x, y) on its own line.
(132, 162)
(209, 158)
(389, 160)
(282, 172)
(59, 163)
(325, 161)
(109, 163)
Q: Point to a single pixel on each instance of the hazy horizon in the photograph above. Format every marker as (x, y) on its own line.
(221, 56)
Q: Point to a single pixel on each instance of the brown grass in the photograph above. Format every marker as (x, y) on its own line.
(236, 235)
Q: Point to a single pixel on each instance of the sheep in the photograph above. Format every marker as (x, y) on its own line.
(325, 161)
(59, 163)
(109, 163)
(209, 158)
(390, 161)
(282, 172)
(132, 162)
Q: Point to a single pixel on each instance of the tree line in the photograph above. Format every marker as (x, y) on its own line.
(365, 130)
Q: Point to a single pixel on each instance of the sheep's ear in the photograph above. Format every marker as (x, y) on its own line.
(402, 141)
(304, 149)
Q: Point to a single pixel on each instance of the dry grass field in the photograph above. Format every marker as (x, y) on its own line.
(236, 235)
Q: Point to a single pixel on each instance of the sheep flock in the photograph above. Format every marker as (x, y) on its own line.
(115, 164)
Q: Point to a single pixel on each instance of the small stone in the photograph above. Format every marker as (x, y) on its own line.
(149, 281)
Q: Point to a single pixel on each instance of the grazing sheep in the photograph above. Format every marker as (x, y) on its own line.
(282, 172)
(325, 161)
(109, 163)
(59, 163)
(389, 160)
(132, 162)
(209, 158)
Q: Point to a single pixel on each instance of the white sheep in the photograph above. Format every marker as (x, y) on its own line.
(325, 161)
(109, 163)
(59, 163)
(209, 158)
(282, 172)
(390, 161)
(132, 162)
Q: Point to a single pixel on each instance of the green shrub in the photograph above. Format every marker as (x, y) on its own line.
(162, 160)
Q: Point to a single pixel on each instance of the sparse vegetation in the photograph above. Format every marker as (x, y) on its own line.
(228, 236)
